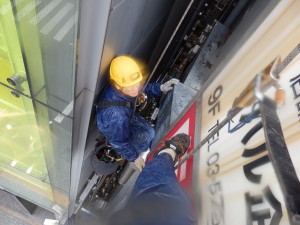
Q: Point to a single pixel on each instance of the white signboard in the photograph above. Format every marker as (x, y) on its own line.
(238, 183)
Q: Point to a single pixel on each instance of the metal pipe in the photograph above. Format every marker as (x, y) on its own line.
(126, 174)
(236, 11)
(131, 168)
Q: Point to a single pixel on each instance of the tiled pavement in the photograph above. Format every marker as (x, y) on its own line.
(11, 217)
(12, 212)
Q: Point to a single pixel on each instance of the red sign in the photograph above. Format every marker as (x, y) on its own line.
(185, 125)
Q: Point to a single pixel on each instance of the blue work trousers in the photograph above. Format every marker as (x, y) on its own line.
(157, 184)
(142, 133)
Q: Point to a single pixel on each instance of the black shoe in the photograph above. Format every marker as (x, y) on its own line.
(179, 143)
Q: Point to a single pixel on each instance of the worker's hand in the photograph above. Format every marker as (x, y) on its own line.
(140, 163)
(168, 86)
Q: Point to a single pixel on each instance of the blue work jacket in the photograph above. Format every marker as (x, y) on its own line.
(128, 134)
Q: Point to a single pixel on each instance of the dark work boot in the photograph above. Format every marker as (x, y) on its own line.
(179, 143)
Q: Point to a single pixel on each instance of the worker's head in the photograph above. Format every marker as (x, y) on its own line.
(126, 74)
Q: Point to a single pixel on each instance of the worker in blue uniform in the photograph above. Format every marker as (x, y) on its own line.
(157, 197)
(127, 132)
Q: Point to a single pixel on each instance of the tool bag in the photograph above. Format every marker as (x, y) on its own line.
(104, 159)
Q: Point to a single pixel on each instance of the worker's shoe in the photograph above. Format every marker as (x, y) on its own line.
(179, 143)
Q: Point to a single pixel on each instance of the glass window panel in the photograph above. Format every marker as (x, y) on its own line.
(37, 77)
(38, 38)
(35, 156)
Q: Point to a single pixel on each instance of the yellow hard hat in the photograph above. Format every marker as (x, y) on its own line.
(125, 71)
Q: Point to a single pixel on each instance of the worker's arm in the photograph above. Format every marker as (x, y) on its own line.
(153, 90)
(114, 123)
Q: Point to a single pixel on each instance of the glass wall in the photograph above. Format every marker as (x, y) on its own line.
(37, 76)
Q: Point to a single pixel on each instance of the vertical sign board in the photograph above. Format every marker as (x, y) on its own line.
(185, 125)
(237, 181)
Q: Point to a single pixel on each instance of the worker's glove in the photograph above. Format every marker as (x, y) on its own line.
(139, 163)
(168, 86)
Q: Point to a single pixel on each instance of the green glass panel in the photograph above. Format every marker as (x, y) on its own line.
(37, 77)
